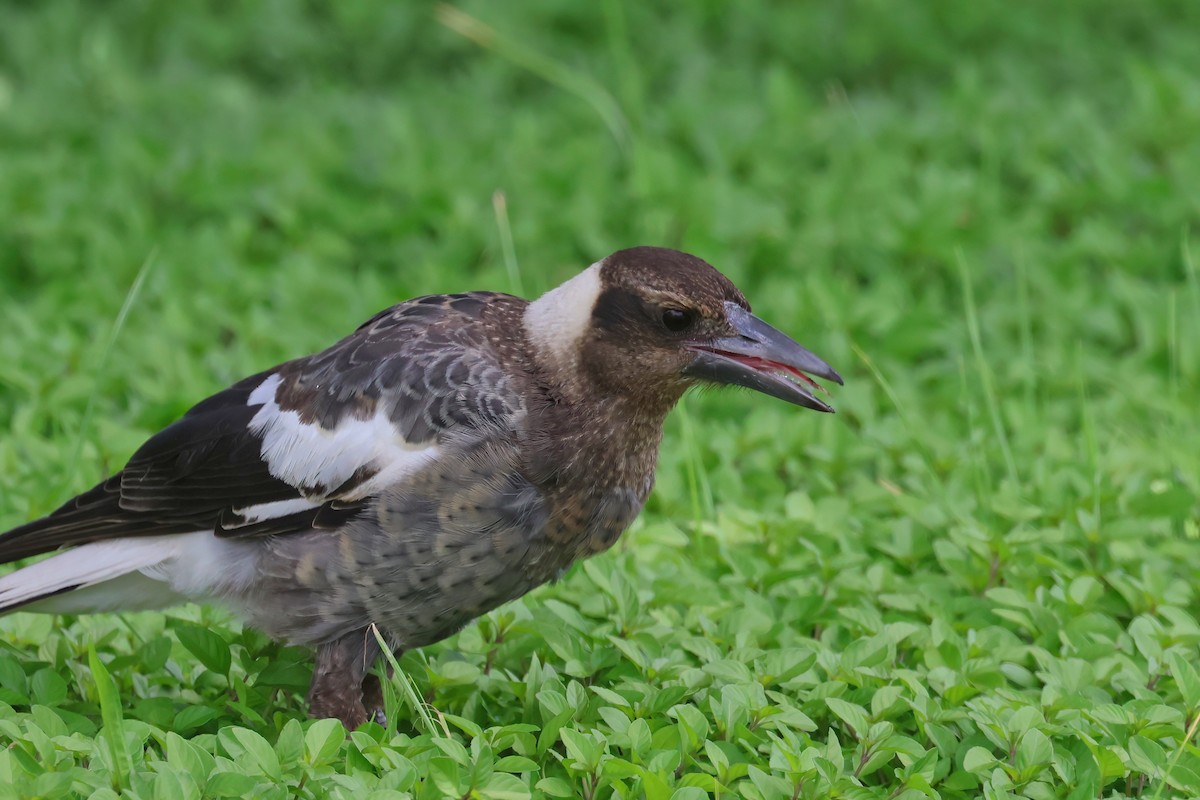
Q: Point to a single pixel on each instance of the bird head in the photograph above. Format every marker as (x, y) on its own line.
(648, 323)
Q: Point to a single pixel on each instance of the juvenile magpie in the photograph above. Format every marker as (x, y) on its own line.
(451, 454)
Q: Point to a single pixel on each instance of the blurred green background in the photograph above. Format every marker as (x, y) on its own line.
(983, 214)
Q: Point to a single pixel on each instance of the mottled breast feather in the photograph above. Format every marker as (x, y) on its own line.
(449, 543)
(433, 552)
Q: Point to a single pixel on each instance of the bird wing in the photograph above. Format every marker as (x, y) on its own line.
(304, 445)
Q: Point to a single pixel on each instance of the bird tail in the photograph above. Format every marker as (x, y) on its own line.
(102, 576)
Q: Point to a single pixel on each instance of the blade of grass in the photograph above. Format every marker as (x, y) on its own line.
(1174, 366)
(1090, 440)
(408, 691)
(1193, 281)
(500, 207)
(1025, 314)
(699, 487)
(1191, 731)
(979, 464)
(621, 49)
(1189, 264)
(546, 68)
(110, 714)
(985, 372)
(131, 296)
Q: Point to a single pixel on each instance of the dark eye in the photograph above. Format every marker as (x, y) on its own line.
(677, 319)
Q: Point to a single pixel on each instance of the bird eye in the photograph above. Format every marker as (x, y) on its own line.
(677, 319)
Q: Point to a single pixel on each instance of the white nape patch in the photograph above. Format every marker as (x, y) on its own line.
(134, 574)
(557, 320)
(309, 456)
(274, 510)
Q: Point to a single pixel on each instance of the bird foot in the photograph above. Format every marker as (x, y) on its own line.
(372, 698)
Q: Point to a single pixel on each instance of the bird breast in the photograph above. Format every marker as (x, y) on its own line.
(462, 536)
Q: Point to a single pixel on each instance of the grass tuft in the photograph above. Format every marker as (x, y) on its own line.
(500, 206)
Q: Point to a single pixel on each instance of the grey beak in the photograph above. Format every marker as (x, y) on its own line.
(761, 358)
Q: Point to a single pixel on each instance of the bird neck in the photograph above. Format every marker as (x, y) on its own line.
(600, 445)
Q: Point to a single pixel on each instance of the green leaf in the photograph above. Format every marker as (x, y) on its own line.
(1085, 590)
(518, 764)
(193, 717)
(14, 686)
(1111, 714)
(1186, 678)
(230, 784)
(171, 786)
(456, 673)
(153, 654)
(853, 715)
(323, 740)
(1022, 720)
(453, 749)
(110, 712)
(501, 786)
(1086, 781)
(639, 736)
(978, 759)
(449, 777)
(611, 697)
(48, 687)
(619, 768)
(209, 648)
(1033, 753)
(884, 699)
(249, 747)
(52, 784)
(555, 787)
(771, 787)
(186, 756)
(582, 748)
(551, 728)
(1146, 756)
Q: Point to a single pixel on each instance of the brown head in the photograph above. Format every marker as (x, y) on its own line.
(646, 323)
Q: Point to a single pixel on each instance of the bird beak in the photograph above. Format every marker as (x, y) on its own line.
(761, 358)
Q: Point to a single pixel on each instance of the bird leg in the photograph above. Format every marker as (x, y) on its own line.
(340, 680)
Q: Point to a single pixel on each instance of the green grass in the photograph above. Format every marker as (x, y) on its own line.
(979, 579)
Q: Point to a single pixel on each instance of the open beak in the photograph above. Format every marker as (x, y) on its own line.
(761, 358)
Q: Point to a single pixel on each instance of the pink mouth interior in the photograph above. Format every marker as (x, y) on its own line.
(766, 365)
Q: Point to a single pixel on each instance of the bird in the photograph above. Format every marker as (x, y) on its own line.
(451, 454)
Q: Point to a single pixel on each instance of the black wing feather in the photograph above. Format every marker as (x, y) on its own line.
(426, 362)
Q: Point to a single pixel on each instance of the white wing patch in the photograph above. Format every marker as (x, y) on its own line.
(274, 510)
(317, 460)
